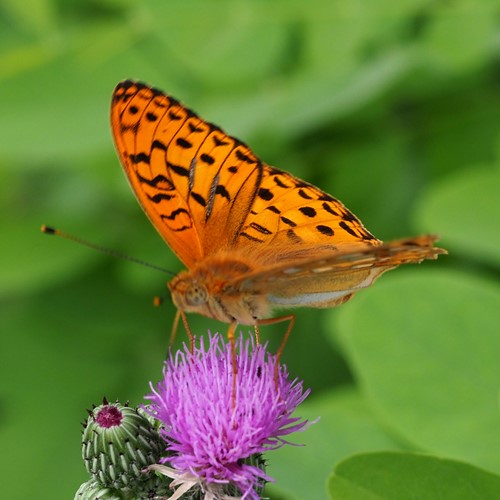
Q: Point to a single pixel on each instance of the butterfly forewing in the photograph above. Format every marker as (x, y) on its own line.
(144, 123)
(196, 183)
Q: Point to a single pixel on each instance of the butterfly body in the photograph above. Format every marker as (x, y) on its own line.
(252, 237)
(235, 290)
(206, 290)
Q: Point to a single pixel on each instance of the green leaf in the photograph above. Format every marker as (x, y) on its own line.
(460, 34)
(38, 16)
(464, 210)
(424, 346)
(404, 476)
(216, 42)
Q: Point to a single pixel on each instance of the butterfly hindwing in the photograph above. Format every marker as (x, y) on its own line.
(322, 281)
(290, 211)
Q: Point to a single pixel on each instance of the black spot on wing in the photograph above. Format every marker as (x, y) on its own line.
(159, 104)
(198, 198)
(300, 183)
(221, 190)
(328, 197)
(274, 171)
(308, 211)
(152, 117)
(329, 209)
(273, 209)
(304, 195)
(174, 117)
(326, 230)
(178, 169)
(259, 228)
(157, 198)
(172, 100)
(219, 142)
(265, 194)
(346, 228)
(279, 182)
(158, 182)
(173, 215)
(243, 157)
(252, 238)
(348, 216)
(193, 128)
(140, 158)
(209, 160)
(158, 145)
(126, 128)
(288, 221)
(183, 143)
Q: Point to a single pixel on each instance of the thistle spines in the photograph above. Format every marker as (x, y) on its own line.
(118, 444)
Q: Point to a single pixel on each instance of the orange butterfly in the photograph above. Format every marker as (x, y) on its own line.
(253, 238)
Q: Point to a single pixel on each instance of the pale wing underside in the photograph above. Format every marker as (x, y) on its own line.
(321, 282)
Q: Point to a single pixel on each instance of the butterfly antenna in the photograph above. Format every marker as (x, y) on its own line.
(50, 230)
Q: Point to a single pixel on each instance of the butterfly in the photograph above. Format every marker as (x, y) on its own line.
(254, 239)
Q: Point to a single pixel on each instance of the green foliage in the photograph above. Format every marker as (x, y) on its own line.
(405, 476)
(429, 365)
(393, 107)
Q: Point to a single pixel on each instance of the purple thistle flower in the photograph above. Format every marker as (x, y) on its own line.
(208, 437)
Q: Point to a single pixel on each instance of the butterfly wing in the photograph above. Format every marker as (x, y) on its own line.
(208, 195)
(331, 279)
(194, 182)
(207, 192)
(288, 211)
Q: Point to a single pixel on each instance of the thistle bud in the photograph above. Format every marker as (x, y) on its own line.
(92, 490)
(118, 444)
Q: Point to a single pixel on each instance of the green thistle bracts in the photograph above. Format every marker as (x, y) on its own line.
(118, 444)
(92, 490)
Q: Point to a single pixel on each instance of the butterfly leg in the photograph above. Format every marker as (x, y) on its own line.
(272, 321)
(182, 315)
(175, 325)
(256, 333)
(230, 337)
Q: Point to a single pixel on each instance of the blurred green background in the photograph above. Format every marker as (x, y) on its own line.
(393, 107)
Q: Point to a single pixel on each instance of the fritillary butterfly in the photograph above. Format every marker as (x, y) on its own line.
(253, 238)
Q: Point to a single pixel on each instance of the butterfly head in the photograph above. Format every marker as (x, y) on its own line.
(188, 293)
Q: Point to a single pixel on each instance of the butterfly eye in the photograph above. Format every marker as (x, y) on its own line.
(196, 295)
